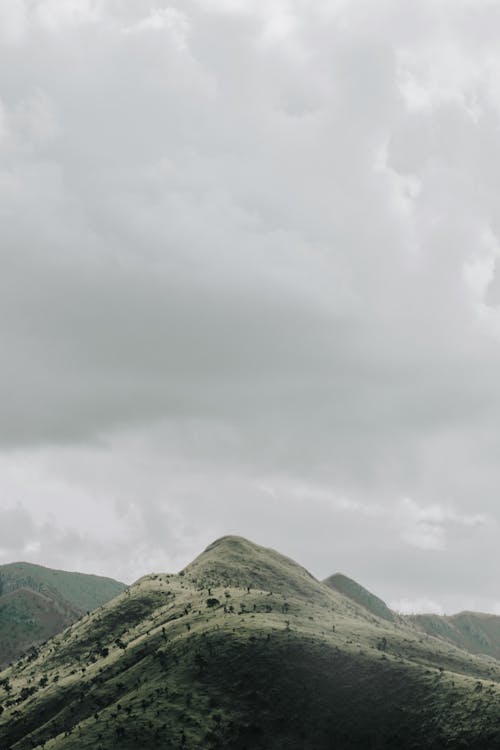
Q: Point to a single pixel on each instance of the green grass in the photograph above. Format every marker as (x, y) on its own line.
(278, 661)
(474, 631)
(351, 589)
(37, 602)
(82, 591)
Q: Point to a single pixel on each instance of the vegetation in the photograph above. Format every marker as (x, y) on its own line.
(360, 595)
(476, 632)
(37, 602)
(244, 649)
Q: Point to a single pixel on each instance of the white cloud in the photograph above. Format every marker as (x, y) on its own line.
(416, 607)
(250, 283)
(58, 15)
(13, 20)
(161, 19)
(426, 527)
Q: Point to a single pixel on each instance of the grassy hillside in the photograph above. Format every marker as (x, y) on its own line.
(244, 649)
(351, 589)
(26, 618)
(474, 631)
(80, 590)
(37, 602)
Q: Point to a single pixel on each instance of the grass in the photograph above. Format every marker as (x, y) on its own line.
(348, 587)
(279, 660)
(474, 631)
(79, 590)
(37, 602)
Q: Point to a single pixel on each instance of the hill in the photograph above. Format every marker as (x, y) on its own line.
(244, 649)
(476, 632)
(37, 602)
(360, 595)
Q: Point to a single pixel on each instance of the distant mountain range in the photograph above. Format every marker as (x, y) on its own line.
(245, 649)
(37, 602)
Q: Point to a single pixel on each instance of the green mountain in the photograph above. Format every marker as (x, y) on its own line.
(476, 632)
(360, 595)
(37, 602)
(244, 649)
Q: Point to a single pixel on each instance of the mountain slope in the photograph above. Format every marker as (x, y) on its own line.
(235, 561)
(37, 602)
(476, 632)
(360, 595)
(243, 649)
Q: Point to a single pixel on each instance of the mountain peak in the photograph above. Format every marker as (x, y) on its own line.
(236, 561)
(357, 593)
(289, 663)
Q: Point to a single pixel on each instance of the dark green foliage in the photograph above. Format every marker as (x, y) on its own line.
(160, 668)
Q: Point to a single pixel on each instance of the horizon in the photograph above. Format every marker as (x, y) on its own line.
(250, 280)
(406, 607)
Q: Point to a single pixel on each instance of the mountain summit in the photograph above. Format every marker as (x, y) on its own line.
(234, 561)
(245, 650)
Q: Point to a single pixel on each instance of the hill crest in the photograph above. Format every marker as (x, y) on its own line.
(352, 589)
(266, 658)
(235, 561)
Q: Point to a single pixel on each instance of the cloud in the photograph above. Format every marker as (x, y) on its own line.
(426, 527)
(55, 16)
(13, 18)
(417, 606)
(16, 529)
(255, 243)
(161, 19)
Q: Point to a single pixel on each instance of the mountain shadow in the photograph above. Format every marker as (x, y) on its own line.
(244, 649)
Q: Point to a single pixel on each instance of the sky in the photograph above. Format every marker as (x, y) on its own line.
(250, 284)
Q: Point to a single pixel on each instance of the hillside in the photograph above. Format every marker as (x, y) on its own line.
(476, 632)
(37, 602)
(360, 595)
(244, 649)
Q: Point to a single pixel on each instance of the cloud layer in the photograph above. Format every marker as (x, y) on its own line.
(250, 284)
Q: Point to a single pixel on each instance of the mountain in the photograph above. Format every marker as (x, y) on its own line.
(476, 632)
(244, 649)
(37, 602)
(360, 595)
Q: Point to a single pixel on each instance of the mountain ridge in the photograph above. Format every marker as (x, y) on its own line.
(361, 595)
(225, 655)
(37, 602)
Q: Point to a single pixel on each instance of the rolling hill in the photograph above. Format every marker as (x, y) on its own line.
(360, 595)
(37, 602)
(245, 649)
(476, 632)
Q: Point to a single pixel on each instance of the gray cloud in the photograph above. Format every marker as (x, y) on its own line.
(249, 283)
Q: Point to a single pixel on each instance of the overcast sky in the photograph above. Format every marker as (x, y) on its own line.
(250, 283)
